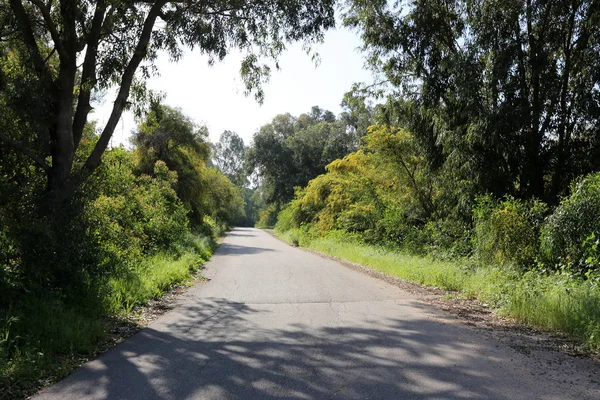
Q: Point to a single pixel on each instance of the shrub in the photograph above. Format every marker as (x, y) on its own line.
(570, 235)
(285, 219)
(448, 238)
(134, 216)
(507, 231)
(267, 218)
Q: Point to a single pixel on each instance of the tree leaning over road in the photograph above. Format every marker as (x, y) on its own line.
(114, 41)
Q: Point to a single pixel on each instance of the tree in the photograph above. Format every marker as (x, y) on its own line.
(167, 135)
(291, 151)
(358, 114)
(229, 157)
(114, 41)
(505, 90)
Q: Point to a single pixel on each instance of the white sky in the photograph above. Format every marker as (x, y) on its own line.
(214, 95)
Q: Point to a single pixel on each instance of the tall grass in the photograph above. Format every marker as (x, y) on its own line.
(556, 301)
(149, 281)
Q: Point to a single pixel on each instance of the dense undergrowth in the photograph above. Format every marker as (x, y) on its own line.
(384, 208)
(44, 338)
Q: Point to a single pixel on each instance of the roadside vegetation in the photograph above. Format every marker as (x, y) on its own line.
(534, 262)
(131, 231)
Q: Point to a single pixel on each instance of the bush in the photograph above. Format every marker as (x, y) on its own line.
(285, 218)
(507, 231)
(267, 218)
(570, 235)
(448, 238)
(133, 217)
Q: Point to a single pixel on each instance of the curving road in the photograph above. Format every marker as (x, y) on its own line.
(276, 322)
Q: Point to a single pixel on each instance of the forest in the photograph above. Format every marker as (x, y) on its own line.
(471, 164)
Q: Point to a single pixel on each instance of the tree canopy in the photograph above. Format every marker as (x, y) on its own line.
(290, 151)
(229, 157)
(508, 91)
(167, 135)
(68, 51)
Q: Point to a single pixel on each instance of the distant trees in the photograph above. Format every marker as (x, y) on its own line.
(382, 190)
(290, 151)
(506, 93)
(229, 157)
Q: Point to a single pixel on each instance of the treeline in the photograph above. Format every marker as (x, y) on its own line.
(385, 194)
(290, 151)
(145, 220)
(483, 152)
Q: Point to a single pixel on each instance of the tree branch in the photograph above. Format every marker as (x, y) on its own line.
(140, 52)
(20, 147)
(50, 55)
(29, 38)
(51, 28)
(88, 74)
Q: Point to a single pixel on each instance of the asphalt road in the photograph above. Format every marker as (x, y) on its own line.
(276, 322)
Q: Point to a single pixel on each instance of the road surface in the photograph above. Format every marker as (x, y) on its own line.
(277, 322)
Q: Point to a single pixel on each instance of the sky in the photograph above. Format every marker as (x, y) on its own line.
(213, 95)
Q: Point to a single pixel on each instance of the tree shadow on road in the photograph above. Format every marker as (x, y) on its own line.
(228, 249)
(216, 350)
(241, 232)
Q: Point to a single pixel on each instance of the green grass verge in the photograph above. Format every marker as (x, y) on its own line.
(46, 338)
(557, 301)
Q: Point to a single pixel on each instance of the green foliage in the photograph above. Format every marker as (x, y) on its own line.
(151, 279)
(126, 238)
(385, 207)
(55, 60)
(166, 134)
(570, 235)
(501, 93)
(229, 157)
(285, 219)
(507, 232)
(291, 151)
(560, 302)
(221, 200)
(383, 191)
(253, 205)
(45, 338)
(267, 217)
(134, 216)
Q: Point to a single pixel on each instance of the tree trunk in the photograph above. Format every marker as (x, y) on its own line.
(62, 148)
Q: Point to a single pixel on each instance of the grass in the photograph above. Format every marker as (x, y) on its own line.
(149, 281)
(46, 338)
(555, 301)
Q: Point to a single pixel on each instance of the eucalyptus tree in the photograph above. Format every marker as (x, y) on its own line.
(507, 91)
(73, 49)
(229, 157)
